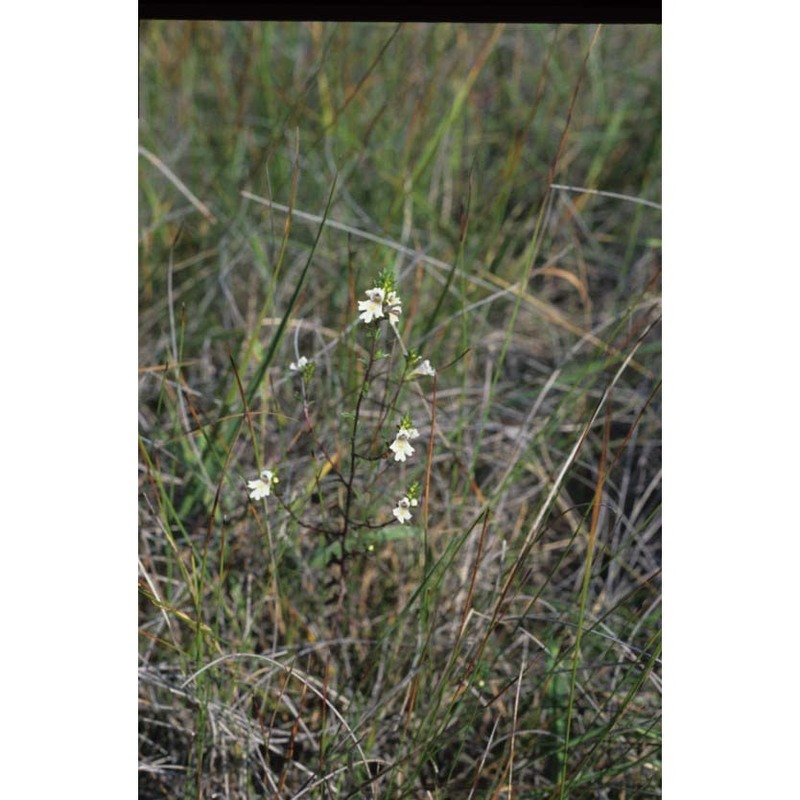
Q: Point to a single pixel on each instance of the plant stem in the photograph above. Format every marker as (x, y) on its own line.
(351, 478)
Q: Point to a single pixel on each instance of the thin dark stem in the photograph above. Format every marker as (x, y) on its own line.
(301, 522)
(387, 407)
(349, 483)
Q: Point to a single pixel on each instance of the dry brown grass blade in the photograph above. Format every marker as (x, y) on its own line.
(178, 184)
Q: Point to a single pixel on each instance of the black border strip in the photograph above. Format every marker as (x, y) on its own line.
(645, 12)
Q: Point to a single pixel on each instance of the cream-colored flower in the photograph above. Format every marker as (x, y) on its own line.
(394, 307)
(262, 486)
(299, 365)
(401, 446)
(424, 368)
(372, 308)
(401, 511)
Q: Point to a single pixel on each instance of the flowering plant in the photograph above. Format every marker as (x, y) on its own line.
(357, 471)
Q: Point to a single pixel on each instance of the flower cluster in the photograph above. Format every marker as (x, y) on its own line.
(401, 509)
(380, 301)
(262, 486)
(401, 446)
(303, 367)
(410, 500)
(299, 365)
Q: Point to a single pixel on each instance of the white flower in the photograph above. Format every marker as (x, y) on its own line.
(401, 446)
(414, 502)
(262, 486)
(424, 368)
(393, 307)
(401, 510)
(297, 366)
(372, 308)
